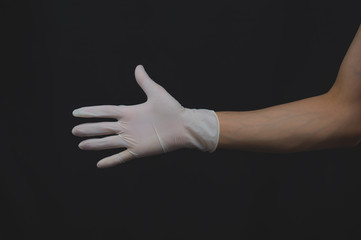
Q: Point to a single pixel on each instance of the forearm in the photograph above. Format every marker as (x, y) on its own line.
(310, 124)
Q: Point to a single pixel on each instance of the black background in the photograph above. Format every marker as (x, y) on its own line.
(220, 55)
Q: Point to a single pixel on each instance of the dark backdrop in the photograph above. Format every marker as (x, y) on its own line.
(220, 55)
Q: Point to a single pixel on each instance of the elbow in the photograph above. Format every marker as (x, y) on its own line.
(355, 141)
(350, 121)
(357, 128)
(349, 132)
(354, 138)
(347, 142)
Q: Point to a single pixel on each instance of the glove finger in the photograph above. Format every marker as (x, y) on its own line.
(102, 111)
(115, 159)
(103, 143)
(96, 129)
(144, 81)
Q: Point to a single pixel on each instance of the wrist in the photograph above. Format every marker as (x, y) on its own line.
(201, 129)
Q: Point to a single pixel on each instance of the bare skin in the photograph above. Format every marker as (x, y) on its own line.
(330, 120)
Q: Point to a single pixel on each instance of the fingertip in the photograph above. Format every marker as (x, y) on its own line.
(73, 131)
(81, 145)
(138, 67)
(75, 113)
(104, 163)
(100, 165)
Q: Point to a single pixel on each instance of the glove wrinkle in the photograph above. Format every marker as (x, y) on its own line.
(159, 139)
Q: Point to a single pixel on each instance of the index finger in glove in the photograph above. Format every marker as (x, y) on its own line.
(102, 111)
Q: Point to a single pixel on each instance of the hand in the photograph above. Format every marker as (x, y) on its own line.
(159, 125)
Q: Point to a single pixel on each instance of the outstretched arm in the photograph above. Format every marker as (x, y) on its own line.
(331, 120)
(162, 124)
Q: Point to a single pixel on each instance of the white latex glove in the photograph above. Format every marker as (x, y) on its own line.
(156, 126)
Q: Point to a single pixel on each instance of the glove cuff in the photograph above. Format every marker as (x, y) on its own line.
(202, 129)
